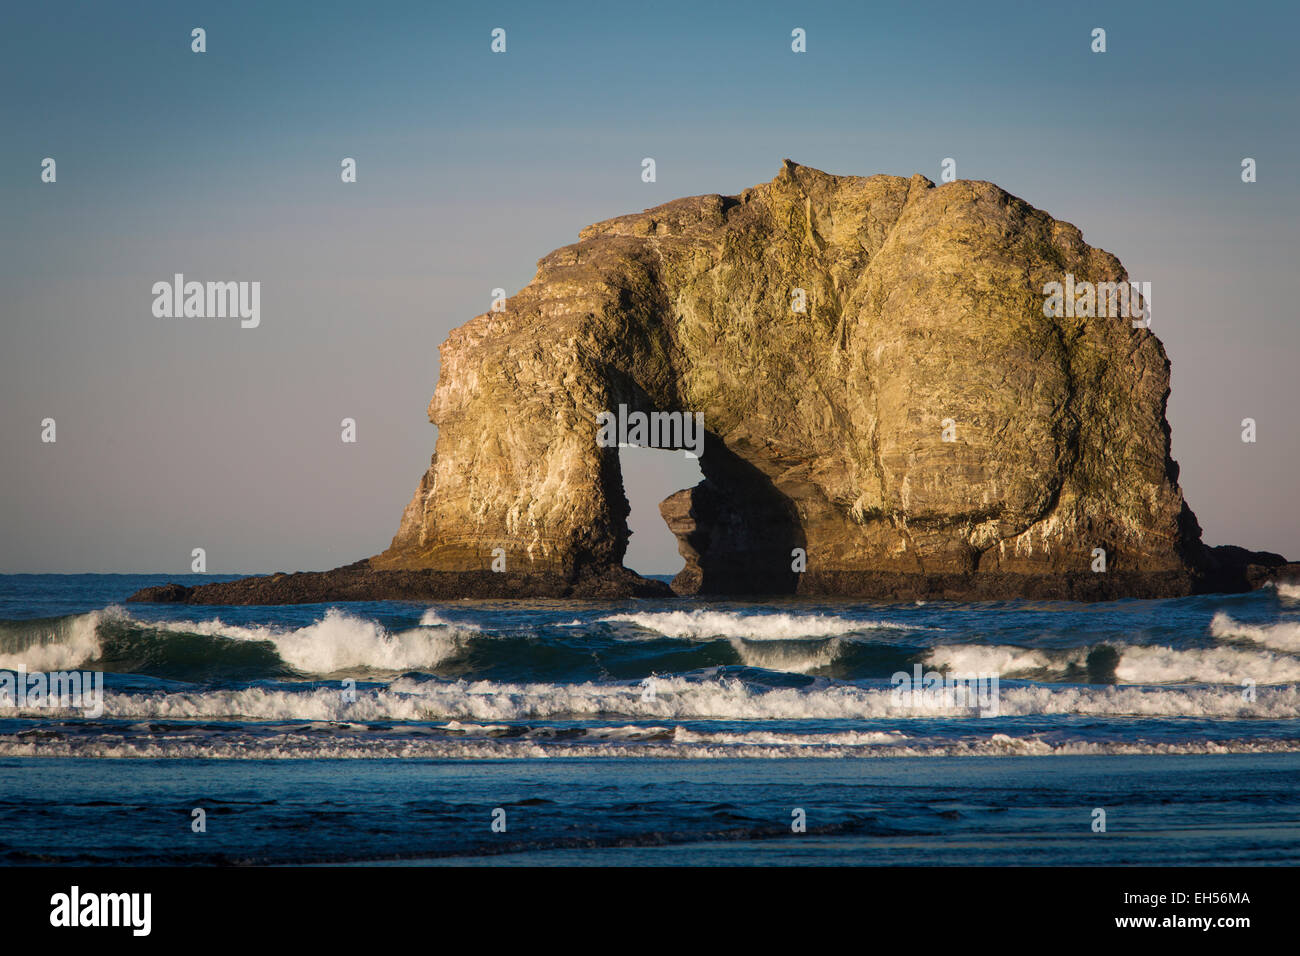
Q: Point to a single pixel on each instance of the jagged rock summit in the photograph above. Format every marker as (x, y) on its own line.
(920, 428)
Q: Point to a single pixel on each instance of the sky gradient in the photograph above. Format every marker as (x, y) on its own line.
(176, 434)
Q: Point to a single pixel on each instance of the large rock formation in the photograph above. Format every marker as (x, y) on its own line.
(923, 303)
(922, 427)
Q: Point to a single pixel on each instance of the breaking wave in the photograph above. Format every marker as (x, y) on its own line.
(1282, 635)
(1122, 663)
(702, 625)
(601, 648)
(211, 649)
(997, 745)
(1289, 590)
(50, 644)
(676, 698)
(545, 679)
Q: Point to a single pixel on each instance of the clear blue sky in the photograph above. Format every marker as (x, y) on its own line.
(175, 435)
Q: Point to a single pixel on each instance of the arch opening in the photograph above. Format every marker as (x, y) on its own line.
(649, 476)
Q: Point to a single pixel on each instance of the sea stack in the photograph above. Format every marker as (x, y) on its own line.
(892, 409)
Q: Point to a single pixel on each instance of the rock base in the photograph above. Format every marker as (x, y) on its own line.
(1227, 570)
(358, 582)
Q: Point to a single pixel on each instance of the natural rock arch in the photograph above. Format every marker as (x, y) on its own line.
(923, 304)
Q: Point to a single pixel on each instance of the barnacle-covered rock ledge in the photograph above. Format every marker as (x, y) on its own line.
(882, 394)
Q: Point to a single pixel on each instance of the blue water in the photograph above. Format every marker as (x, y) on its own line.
(650, 732)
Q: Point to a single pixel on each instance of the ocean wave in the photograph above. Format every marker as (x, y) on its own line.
(1125, 663)
(674, 698)
(431, 618)
(1281, 635)
(297, 746)
(50, 644)
(791, 657)
(790, 643)
(1289, 590)
(703, 625)
(342, 643)
(339, 642)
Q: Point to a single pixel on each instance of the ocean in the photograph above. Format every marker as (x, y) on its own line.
(651, 732)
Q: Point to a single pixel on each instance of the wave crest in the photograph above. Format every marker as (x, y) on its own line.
(703, 625)
(1282, 635)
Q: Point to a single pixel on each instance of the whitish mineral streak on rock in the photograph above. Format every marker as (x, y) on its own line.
(825, 428)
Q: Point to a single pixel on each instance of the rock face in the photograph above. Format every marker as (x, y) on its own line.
(920, 428)
(825, 428)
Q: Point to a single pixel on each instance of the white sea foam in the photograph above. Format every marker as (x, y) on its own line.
(998, 659)
(794, 643)
(58, 645)
(1288, 590)
(1138, 664)
(700, 625)
(1282, 635)
(340, 642)
(1214, 665)
(475, 730)
(792, 657)
(303, 746)
(769, 738)
(431, 618)
(489, 702)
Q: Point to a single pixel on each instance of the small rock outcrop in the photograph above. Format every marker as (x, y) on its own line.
(888, 410)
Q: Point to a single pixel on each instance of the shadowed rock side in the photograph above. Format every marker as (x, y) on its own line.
(360, 582)
(824, 427)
